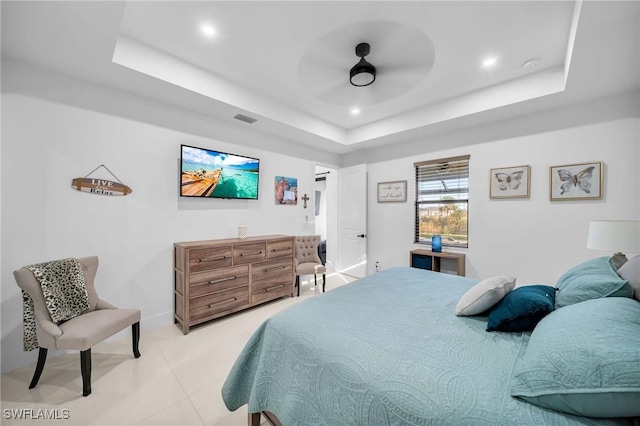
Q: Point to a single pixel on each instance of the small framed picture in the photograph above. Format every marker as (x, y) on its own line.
(576, 181)
(390, 192)
(510, 182)
(286, 190)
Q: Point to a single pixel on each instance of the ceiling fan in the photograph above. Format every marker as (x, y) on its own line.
(403, 56)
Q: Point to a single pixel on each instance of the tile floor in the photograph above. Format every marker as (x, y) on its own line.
(177, 380)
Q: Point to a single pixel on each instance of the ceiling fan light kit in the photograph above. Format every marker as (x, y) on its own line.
(363, 73)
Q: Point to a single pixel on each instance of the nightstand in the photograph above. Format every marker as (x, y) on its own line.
(450, 263)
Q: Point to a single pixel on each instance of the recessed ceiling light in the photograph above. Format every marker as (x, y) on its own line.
(489, 62)
(208, 30)
(355, 111)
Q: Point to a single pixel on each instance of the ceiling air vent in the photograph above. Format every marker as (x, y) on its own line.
(245, 118)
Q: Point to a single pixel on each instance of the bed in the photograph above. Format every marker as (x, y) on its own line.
(389, 349)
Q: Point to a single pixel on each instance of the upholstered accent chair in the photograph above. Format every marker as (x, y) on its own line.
(94, 325)
(307, 260)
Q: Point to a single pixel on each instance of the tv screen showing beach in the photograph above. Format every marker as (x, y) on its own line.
(208, 173)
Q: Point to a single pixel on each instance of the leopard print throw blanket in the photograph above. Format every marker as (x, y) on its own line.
(65, 295)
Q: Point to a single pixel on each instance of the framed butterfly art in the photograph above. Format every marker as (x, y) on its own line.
(510, 182)
(576, 181)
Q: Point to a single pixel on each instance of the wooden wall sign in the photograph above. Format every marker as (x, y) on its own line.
(100, 186)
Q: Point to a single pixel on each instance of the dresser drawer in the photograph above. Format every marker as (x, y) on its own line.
(248, 253)
(271, 289)
(215, 303)
(276, 249)
(267, 285)
(209, 258)
(219, 279)
(272, 268)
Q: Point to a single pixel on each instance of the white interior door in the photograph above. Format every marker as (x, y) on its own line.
(352, 220)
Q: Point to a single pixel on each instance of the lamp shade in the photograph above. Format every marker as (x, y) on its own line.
(614, 235)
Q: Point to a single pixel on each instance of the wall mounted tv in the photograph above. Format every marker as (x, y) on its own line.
(215, 174)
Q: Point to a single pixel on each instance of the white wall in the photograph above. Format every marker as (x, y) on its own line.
(533, 239)
(46, 144)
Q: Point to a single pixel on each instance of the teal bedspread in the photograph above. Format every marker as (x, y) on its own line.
(385, 350)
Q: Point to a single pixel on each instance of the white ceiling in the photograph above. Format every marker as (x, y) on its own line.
(287, 63)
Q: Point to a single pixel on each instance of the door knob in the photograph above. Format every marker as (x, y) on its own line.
(361, 235)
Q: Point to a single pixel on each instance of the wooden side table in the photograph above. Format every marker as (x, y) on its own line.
(447, 262)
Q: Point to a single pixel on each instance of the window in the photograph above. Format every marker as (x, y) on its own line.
(442, 201)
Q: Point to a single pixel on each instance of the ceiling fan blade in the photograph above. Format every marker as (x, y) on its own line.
(393, 43)
(329, 86)
(335, 93)
(326, 58)
(403, 71)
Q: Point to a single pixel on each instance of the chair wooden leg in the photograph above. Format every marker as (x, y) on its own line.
(254, 419)
(298, 284)
(85, 369)
(324, 281)
(42, 358)
(135, 337)
(315, 280)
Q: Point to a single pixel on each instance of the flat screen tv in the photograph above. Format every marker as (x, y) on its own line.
(215, 174)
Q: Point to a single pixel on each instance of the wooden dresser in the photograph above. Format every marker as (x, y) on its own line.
(218, 277)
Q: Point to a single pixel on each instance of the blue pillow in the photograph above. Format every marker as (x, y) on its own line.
(522, 308)
(584, 359)
(592, 279)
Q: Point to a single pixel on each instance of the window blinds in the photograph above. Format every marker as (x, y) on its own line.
(443, 179)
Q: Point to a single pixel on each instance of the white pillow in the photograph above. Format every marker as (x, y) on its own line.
(630, 271)
(484, 295)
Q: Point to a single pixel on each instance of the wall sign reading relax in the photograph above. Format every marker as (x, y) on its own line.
(100, 186)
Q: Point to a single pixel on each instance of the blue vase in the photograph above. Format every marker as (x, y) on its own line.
(436, 244)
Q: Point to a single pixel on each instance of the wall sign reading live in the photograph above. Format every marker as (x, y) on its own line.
(100, 186)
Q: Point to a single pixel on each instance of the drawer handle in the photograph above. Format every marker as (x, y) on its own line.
(275, 268)
(274, 287)
(222, 280)
(284, 249)
(251, 254)
(213, 259)
(233, 299)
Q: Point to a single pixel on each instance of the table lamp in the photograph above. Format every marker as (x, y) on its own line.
(615, 236)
